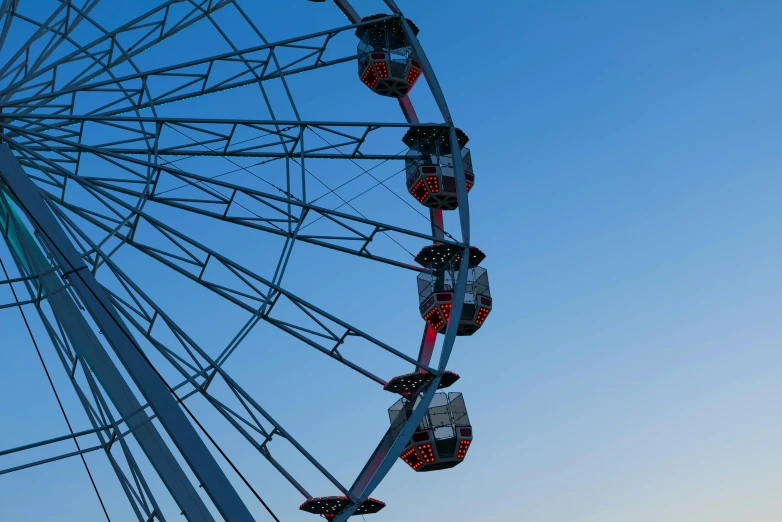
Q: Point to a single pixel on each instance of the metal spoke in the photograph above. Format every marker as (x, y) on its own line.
(111, 51)
(199, 77)
(196, 256)
(212, 366)
(271, 136)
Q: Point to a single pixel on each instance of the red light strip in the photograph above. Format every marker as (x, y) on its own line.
(413, 75)
(434, 318)
(463, 447)
(419, 191)
(382, 69)
(412, 460)
(370, 78)
(434, 184)
(427, 452)
(483, 313)
(446, 310)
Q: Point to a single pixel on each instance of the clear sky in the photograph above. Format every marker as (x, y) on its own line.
(627, 197)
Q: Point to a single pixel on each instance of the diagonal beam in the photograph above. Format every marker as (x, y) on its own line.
(151, 384)
(60, 30)
(203, 182)
(54, 134)
(158, 15)
(198, 71)
(28, 257)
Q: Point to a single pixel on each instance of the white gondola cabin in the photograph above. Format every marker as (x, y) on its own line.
(386, 61)
(436, 288)
(442, 438)
(429, 164)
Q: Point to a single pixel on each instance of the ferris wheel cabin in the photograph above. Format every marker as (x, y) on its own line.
(442, 438)
(386, 62)
(429, 164)
(436, 288)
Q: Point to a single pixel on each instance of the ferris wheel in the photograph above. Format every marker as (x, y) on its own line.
(168, 205)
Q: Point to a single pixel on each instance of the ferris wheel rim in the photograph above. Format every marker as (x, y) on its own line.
(450, 336)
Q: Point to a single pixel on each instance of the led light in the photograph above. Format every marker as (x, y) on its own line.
(483, 313)
(434, 184)
(446, 310)
(382, 69)
(463, 447)
(419, 191)
(427, 452)
(370, 78)
(412, 459)
(413, 75)
(434, 318)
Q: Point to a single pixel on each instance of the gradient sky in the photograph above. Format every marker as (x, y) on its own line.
(628, 201)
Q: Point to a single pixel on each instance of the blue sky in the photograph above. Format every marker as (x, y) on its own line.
(628, 202)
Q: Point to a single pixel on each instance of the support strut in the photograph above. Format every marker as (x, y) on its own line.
(160, 398)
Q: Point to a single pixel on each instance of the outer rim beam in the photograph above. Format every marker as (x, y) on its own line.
(391, 447)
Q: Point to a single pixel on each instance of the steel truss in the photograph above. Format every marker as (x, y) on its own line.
(65, 99)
